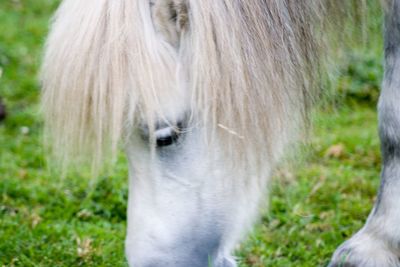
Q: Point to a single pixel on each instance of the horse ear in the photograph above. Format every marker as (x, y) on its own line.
(170, 19)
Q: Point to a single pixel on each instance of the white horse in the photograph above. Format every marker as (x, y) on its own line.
(204, 96)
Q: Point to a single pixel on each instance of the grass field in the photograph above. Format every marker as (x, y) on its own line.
(76, 221)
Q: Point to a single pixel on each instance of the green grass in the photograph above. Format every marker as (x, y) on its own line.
(48, 221)
(315, 207)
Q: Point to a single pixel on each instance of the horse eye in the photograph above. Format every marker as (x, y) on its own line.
(167, 140)
(168, 136)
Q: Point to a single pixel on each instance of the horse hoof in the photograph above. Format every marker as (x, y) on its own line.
(363, 250)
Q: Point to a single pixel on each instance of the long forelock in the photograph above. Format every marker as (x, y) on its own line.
(249, 67)
(104, 64)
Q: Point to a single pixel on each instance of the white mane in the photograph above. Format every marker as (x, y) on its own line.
(249, 67)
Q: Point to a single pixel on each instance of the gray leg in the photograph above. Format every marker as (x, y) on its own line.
(377, 244)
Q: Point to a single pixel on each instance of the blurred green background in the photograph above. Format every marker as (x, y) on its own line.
(77, 221)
